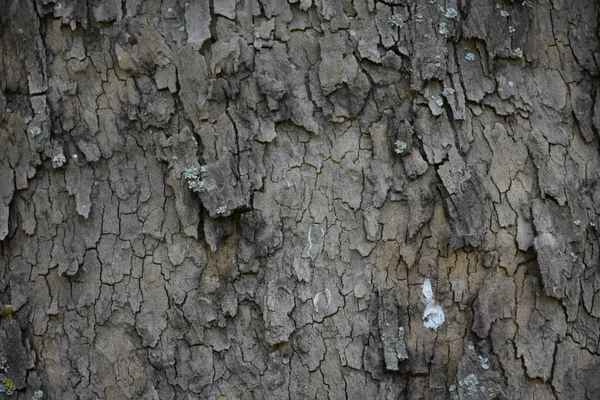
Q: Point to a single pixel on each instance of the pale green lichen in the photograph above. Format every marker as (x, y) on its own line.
(451, 13)
(470, 382)
(196, 186)
(400, 146)
(192, 175)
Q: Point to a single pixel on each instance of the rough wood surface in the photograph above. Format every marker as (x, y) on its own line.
(328, 199)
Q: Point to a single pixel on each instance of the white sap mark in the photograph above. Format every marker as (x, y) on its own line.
(427, 293)
(314, 240)
(433, 316)
(327, 294)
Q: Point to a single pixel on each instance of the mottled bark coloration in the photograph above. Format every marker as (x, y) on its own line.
(303, 199)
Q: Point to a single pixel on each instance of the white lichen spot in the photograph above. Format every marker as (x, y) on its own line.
(527, 3)
(35, 131)
(470, 56)
(20, 31)
(511, 29)
(504, 14)
(58, 6)
(511, 83)
(483, 361)
(170, 10)
(75, 157)
(182, 29)
(419, 18)
(400, 146)
(221, 210)
(433, 316)
(396, 20)
(518, 52)
(58, 160)
(37, 395)
(443, 28)
(577, 222)
(452, 388)
(451, 13)
(439, 102)
(351, 33)
(448, 91)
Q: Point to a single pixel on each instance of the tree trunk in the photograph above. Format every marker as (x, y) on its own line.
(328, 199)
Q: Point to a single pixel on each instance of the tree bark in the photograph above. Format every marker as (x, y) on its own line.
(328, 199)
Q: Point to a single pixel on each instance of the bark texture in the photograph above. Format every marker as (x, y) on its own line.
(304, 199)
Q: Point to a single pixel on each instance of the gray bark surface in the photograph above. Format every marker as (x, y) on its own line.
(250, 199)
